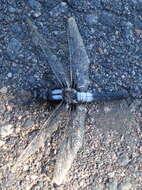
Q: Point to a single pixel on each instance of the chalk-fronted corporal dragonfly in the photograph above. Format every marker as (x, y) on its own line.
(72, 96)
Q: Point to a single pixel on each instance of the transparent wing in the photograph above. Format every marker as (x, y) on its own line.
(79, 61)
(39, 140)
(70, 146)
(55, 64)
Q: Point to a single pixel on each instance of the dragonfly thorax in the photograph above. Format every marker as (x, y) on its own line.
(70, 95)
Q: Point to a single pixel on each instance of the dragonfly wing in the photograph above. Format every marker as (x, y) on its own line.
(79, 61)
(70, 146)
(55, 64)
(39, 140)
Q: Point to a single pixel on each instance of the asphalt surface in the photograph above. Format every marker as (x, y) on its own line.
(112, 32)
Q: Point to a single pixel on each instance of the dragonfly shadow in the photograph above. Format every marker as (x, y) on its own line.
(115, 115)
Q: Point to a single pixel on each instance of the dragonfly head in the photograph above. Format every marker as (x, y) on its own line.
(70, 95)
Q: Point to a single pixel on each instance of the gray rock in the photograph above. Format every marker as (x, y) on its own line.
(92, 19)
(17, 30)
(123, 160)
(2, 143)
(12, 10)
(36, 6)
(28, 123)
(3, 90)
(60, 9)
(13, 48)
(125, 186)
(99, 186)
(128, 35)
(9, 75)
(108, 19)
(2, 108)
(6, 130)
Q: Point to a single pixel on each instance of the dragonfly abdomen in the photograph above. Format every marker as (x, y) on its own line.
(109, 96)
(104, 96)
(83, 97)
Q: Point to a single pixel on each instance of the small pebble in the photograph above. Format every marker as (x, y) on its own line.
(13, 48)
(125, 186)
(2, 108)
(9, 75)
(8, 107)
(6, 130)
(92, 19)
(111, 174)
(107, 109)
(36, 14)
(2, 143)
(12, 10)
(28, 123)
(34, 177)
(26, 168)
(60, 9)
(3, 90)
(36, 6)
(123, 160)
(113, 185)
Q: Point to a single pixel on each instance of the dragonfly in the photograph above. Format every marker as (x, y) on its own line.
(72, 95)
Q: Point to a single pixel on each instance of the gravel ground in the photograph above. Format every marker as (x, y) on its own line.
(110, 158)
